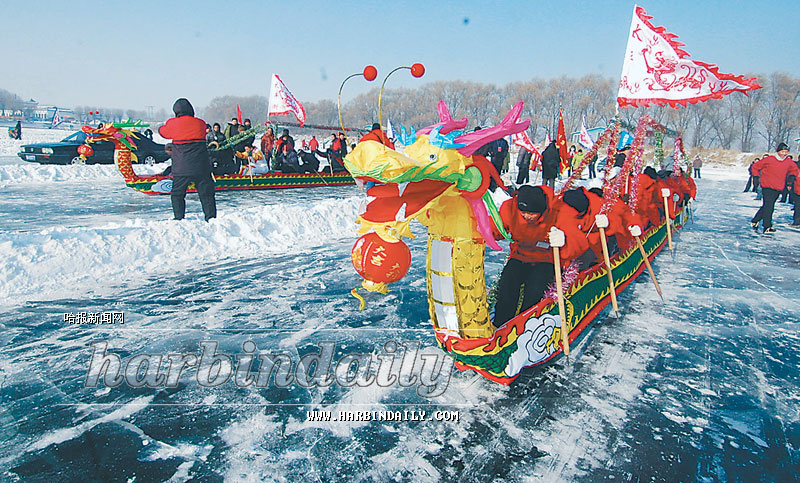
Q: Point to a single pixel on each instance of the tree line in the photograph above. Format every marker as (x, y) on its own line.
(737, 121)
(757, 121)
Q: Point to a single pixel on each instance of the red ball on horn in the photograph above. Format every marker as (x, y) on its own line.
(370, 72)
(417, 70)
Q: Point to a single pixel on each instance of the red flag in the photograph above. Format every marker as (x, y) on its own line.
(561, 142)
(658, 71)
(281, 101)
(238, 114)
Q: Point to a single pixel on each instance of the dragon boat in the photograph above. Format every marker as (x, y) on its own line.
(124, 154)
(440, 182)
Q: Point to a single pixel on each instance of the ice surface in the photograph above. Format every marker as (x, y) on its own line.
(701, 387)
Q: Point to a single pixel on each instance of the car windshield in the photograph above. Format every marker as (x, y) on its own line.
(77, 137)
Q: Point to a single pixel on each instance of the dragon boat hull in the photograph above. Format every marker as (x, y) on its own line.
(532, 337)
(162, 185)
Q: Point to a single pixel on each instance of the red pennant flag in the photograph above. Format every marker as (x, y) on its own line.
(238, 114)
(658, 71)
(522, 140)
(561, 142)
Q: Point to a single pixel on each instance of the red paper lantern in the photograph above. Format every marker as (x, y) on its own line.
(380, 261)
(417, 70)
(370, 72)
(85, 150)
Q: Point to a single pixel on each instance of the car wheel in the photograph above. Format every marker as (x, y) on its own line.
(77, 160)
(150, 160)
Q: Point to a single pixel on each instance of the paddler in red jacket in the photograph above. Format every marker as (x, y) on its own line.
(772, 172)
(619, 216)
(528, 217)
(584, 207)
(648, 197)
(377, 135)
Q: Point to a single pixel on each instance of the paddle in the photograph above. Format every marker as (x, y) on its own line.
(665, 195)
(636, 232)
(601, 221)
(556, 238)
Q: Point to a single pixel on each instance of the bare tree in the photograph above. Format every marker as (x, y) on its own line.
(781, 101)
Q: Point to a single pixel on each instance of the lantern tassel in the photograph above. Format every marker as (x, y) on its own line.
(380, 287)
(362, 302)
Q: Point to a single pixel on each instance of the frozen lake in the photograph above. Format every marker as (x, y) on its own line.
(702, 387)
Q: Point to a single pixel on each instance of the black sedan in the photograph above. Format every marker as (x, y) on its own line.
(66, 151)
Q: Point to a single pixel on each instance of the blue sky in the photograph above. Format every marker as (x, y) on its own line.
(147, 53)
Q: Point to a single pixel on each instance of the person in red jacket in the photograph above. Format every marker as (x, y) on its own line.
(528, 217)
(772, 172)
(584, 207)
(377, 135)
(190, 161)
(313, 145)
(648, 197)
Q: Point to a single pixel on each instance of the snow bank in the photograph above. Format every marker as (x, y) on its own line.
(23, 173)
(10, 147)
(58, 261)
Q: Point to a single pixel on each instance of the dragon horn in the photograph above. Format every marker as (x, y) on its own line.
(509, 125)
(444, 111)
(446, 122)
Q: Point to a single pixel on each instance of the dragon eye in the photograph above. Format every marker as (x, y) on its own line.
(433, 157)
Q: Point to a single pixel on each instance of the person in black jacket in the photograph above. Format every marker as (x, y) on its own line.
(524, 163)
(232, 129)
(18, 130)
(551, 161)
(499, 153)
(249, 140)
(290, 163)
(190, 161)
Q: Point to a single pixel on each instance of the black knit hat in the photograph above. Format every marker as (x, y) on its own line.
(577, 199)
(531, 199)
(597, 191)
(651, 171)
(182, 107)
(375, 126)
(781, 147)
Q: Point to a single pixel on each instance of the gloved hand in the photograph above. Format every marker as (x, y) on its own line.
(601, 221)
(556, 237)
(635, 230)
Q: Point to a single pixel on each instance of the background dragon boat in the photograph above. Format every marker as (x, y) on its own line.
(438, 181)
(124, 146)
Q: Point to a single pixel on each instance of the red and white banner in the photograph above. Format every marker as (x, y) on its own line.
(658, 71)
(522, 140)
(281, 101)
(56, 119)
(585, 139)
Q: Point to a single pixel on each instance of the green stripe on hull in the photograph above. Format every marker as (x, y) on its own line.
(580, 301)
(145, 185)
